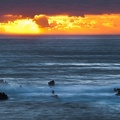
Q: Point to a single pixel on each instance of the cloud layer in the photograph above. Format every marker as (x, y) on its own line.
(29, 8)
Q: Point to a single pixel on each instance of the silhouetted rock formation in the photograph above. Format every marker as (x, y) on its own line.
(3, 96)
(117, 90)
(118, 93)
(51, 83)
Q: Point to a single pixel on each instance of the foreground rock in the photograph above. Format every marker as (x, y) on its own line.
(3, 96)
(51, 83)
(117, 90)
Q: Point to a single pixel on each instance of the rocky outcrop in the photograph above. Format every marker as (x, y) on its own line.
(3, 96)
(51, 83)
(118, 93)
(3, 82)
(117, 90)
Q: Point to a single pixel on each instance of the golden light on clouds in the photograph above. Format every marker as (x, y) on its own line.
(22, 26)
(62, 24)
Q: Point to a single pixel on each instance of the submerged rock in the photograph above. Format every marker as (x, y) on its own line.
(52, 91)
(3, 82)
(55, 96)
(51, 83)
(3, 96)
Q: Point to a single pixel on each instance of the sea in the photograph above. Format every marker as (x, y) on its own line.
(86, 69)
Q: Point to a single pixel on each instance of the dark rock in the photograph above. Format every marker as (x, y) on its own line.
(55, 96)
(116, 89)
(51, 83)
(3, 96)
(53, 92)
(118, 93)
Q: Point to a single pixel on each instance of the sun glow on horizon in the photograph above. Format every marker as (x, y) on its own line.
(22, 26)
(62, 24)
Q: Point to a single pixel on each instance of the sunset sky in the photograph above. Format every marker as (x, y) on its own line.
(59, 17)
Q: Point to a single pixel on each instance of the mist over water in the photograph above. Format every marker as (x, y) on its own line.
(86, 69)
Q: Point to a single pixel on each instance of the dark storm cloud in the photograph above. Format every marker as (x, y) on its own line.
(54, 7)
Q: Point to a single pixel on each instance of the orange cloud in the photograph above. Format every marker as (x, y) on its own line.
(62, 24)
(22, 26)
(2, 30)
(90, 24)
(9, 17)
(41, 20)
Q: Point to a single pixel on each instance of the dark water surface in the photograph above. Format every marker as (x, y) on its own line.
(86, 69)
